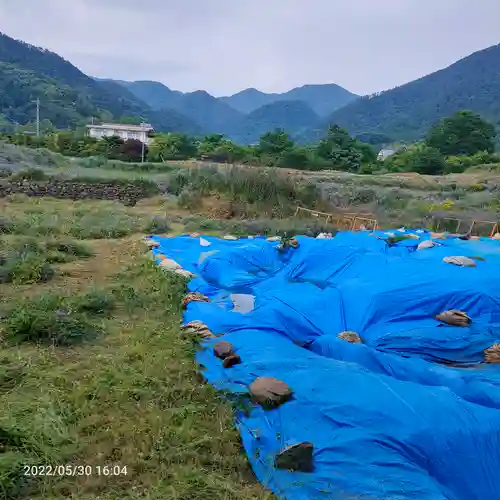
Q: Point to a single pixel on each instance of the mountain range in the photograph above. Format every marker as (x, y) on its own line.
(407, 112)
(249, 112)
(69, 98)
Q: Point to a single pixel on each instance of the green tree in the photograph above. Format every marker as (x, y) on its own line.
(275, 143)
(112, 147)
(210, 143)
(464, 133)
(299, 158)
(368, 153)
(340, 150)
(421, 158)
(171, 147)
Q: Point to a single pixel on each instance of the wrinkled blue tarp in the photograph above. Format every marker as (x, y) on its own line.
(412, 413)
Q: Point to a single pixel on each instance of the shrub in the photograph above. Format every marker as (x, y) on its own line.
(189, 199)
(25, 270)
(477, 188)
(70, 248)
(421, 159)
(94, 302)
(49, 320)
(158, 225)
(32, 174)
(25, 264)
(7, 226)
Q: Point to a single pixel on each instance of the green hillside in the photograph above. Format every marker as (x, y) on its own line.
(155, 94)
(68, 97)
(242, 115)
(408, 111)
(322, 99)
(290, 116)
(212, 114)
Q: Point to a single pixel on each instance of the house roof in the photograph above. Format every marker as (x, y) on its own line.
(118, 126)
(385, 153)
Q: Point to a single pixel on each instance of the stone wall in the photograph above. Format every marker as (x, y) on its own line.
(127, 193)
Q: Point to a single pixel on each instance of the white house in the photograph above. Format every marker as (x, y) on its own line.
(125, 132)
(387, 152)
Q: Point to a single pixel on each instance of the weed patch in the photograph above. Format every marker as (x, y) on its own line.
(28, 261)
(49, 319)
(131, 397)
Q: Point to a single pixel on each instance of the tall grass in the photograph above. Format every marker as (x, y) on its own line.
(247, 184)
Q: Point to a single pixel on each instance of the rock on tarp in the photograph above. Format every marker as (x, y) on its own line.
(411, 413)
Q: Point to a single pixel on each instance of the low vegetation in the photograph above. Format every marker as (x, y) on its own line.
(94, 369)
(451, 146)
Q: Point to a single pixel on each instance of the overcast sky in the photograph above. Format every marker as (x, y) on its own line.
(224, 46)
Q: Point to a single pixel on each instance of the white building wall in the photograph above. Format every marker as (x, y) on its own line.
(98, 133)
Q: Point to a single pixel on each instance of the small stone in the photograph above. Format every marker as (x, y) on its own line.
(200, 329)
(223, 349)
(426, 244)
(231, 360)
(351, 337)
(169, 264)
(296, 458)
(270, 392)
(454, 317)
(460, 260)
(152, 243)
(492, 354)
(438, 236)
(194, 297)
(184, 273)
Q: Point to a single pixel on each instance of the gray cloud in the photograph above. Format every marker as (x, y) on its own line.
(224, 46)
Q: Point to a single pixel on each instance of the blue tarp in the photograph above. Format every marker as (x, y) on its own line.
(411, 413)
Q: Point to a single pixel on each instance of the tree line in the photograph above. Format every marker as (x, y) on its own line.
(452, 145)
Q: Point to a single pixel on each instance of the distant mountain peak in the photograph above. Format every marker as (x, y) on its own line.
(408, 111)
(322, 98)
(289, 115)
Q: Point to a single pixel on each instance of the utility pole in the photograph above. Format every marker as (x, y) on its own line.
(37, 117)
(142, 151)
(142, 141)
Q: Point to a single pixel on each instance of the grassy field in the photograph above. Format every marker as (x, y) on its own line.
(93, 368)
(254, 192)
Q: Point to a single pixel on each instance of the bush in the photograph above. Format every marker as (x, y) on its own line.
(477, 188)
(189, 199)
(48, 320)
(94, 302)
(158, 225)
(421, 159)
(25, 269)
(31, 174)
(24, 263)
(267, 187)
(28, 261)
(70, 249)
(7, 226)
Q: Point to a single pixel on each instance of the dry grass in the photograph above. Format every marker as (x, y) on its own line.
(130, 396)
